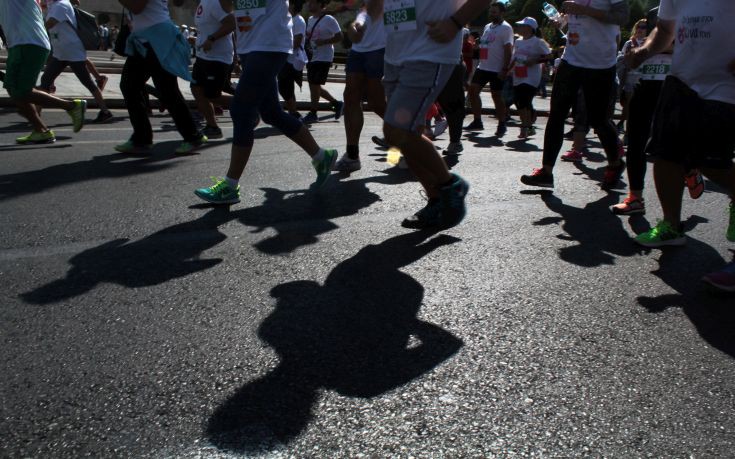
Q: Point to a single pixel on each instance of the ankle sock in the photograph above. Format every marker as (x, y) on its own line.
(231, 181)
(319, 156)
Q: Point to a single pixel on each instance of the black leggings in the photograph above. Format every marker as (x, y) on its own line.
(641, 110)
(597, 88)
(452, 102)
(54, 67)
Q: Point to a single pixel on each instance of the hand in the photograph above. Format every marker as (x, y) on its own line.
(207, 45)
(442, 31)
(635, 57)
(571, 7)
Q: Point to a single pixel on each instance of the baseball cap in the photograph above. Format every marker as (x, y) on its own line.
(528, 21)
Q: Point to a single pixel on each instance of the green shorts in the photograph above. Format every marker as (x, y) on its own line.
(24, 64)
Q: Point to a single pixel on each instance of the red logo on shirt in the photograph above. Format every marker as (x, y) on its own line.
(573, 38)
(244, 23)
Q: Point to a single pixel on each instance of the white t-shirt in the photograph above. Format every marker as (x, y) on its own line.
(408, 37)
(65, 43)
(705, 45)
(298, 59)
(22, 23)
(263, 25)
(155, 12)
(208, 19)
(374, 37)
(493, 40)
(327, 28)
(592, 44)
(531, 48)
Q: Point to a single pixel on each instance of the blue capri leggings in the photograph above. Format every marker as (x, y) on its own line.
(257, 93)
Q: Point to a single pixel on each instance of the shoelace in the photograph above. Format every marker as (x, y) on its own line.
(219, 184)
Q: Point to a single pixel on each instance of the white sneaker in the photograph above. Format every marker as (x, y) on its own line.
(454, 148)
(440, 127)
(346, 164)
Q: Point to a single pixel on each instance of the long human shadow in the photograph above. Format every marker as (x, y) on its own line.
(710, 311)
(298, 218)
(599, 234)
(168, 254)
(113, 165)
(358, 335)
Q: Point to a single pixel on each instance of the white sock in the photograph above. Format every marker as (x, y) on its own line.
(231, 181)
(319, 155)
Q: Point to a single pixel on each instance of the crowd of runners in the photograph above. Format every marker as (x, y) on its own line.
(411, 62)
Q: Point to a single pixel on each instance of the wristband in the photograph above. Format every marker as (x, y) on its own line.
(456, 22)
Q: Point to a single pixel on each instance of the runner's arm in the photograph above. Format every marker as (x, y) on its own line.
(658, 41)
(374, 8)
(618, 14)
(50, 22)
(444, 31)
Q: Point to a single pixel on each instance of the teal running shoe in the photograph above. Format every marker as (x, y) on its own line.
(219, 193)
(188, 147)
(324, 167)
(77, 114)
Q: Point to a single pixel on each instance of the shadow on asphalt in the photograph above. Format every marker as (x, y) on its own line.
(298, 218)
(358, 335)
(113, 165)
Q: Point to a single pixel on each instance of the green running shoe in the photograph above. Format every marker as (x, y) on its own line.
(662, 234)
(219, 193)
(731, 225)
(324, 167)
(77, 114)
(37, 137)
(130, 148)
(188, 147)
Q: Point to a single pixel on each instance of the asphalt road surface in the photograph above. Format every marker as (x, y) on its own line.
(137, 321)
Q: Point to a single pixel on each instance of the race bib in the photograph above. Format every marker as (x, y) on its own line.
(400, 15)
(484, 51)
(247, 12)
(520, 71)
(655, 69)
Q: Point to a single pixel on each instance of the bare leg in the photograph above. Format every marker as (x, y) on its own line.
(500, 107)
(315, 93)
(669, 179)
(325, 94)
(475, 101)
(92, 69)
(353, 116)
(376, 96)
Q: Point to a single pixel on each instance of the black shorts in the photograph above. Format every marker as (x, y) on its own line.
(523, 96)
(483, 77)
(211, 76)
(691, 131)
(287, 77)
(317, 72)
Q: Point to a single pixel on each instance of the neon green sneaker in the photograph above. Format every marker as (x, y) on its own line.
(219, 193)
(731, 225)
(662, 234)
(37, 137)
(324, 167)
(77, 114)
(128, 147)
(188, 147)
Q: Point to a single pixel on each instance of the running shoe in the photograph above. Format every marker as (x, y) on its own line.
(731, 225)
(531, 131)
(77, 114)
(310, 118)
(103, 116)
(101, 82)
(723, 279)
(476, 125)
(612, 175)
(130, 148)
(339, 108)
(188, 147)
(453, 148)
(380, 141)
(539, 177)
(501, 130)
(37, 137)
(212, 132)
(219, 193)
(574, 155)
(440, 127)
(296, 115)
(453, 208)
(324, 167)
(428, 217)
(347, 164)
(523, 134)
(694, 183)
(632, 205)
(663, 234)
